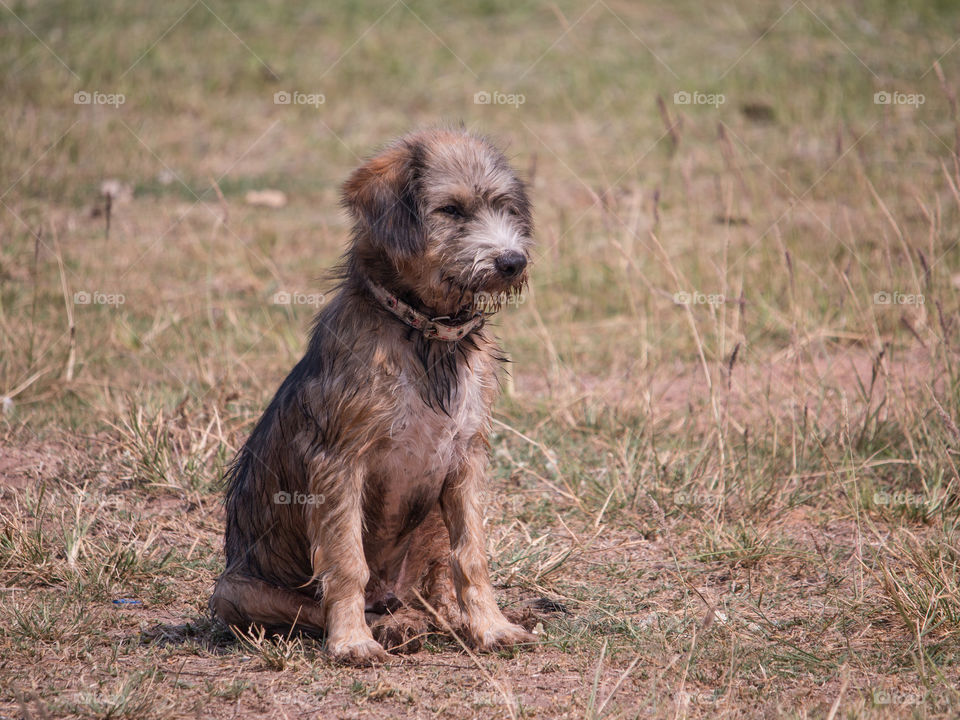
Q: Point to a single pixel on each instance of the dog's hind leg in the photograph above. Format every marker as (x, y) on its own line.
(241, 600)
(425, 578)
(427, 568)
(401, 630)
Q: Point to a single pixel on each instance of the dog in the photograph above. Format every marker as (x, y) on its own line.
(358, 494)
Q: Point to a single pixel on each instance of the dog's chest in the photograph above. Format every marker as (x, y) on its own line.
(424, 443)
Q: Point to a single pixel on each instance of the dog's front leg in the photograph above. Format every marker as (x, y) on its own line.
(336, 533)
(463, 516)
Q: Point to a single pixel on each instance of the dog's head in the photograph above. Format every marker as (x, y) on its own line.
(440, 215)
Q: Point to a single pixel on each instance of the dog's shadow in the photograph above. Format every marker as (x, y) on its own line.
(202, 631)
(212, 635)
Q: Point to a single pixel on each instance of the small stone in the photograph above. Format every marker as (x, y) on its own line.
(266, 198)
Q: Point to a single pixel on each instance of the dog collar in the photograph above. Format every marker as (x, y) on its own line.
(432, 328)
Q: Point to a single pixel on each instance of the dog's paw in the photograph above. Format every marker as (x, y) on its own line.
(502, 636)
(357, 651)
(401, 631)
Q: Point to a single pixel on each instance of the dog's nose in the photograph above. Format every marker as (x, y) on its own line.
(510, 263)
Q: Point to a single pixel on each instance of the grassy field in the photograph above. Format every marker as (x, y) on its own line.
(727, 453)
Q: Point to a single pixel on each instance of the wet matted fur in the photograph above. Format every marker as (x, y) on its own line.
(359, 488)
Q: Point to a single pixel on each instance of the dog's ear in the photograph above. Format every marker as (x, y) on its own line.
(381, 195)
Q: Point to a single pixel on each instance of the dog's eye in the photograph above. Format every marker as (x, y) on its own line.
(451, 210)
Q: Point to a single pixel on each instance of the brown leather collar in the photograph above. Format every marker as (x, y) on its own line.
(438, 328)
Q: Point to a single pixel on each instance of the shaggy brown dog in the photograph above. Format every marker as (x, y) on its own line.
(360, 486)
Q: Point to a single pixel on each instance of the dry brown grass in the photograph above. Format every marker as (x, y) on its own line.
(747, 507)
